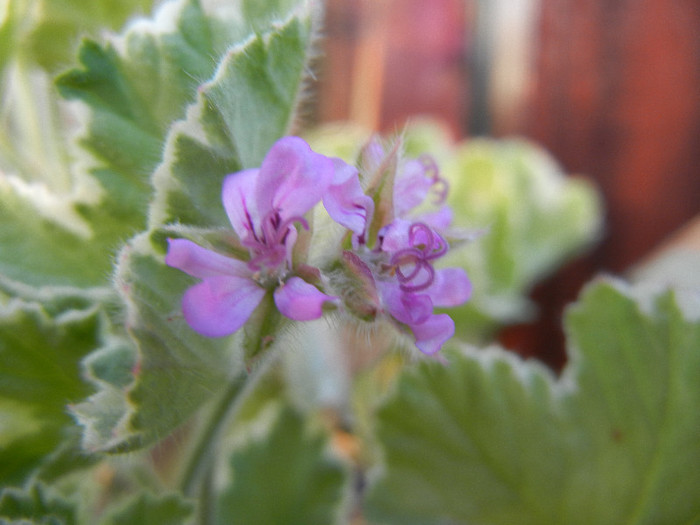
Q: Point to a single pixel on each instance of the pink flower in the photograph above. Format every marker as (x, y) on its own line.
(410, 287)
(264, 207)
(398, 276)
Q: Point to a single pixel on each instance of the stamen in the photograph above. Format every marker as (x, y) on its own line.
(404, 258)
(433, 247)
(268, 250)
(412, 265)
(417, 258)
(430, 278)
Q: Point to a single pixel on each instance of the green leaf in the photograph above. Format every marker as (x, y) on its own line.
(45, 242)
(285, 476)
(143, 396)
(36, 504)
(249, 104)
(41, 348)
(491, 439)
(44, 32)
(65, 227)
(136, 85)
(147, 509)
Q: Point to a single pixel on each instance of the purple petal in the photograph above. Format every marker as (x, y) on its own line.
(411, 187)
(345, 201)
(219, 306)
(432, 334)
(237, 196)
(292, 178)
(451, 287)
(395, 235)
(407, 308)
(439, 220)
(199, 262)
(300, 300)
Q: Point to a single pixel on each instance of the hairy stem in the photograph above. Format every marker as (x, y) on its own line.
(198, 467)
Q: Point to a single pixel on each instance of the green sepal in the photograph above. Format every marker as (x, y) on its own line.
(262, 329)
(378, 178)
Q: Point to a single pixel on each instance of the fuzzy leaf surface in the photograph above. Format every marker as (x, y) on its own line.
(143, 394)
(245, 107)
(40, 350)
(249, 104)
(491, 439)
(136, 85)
(65, 227)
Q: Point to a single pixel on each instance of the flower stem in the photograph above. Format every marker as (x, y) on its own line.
(198, 467)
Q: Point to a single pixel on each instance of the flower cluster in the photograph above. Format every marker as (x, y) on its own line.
(400, 264)
(392, 253)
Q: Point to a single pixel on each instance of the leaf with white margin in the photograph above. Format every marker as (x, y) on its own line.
(251, 102)
(179, 370)
(45, 242)
(41, 346)
(175, 369)
(491, 439)
(136, 85)
(534, 217)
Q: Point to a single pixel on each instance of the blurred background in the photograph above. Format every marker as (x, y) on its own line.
(611, 88)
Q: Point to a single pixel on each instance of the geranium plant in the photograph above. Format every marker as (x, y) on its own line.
(210, 313)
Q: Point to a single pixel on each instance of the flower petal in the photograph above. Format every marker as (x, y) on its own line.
(407, 308)
(439, 220)
(196, 261)
(432, 334)
(394, 236)
(220, 305)
(300, 300)
(237, 195)
(292, 178)
(345, 201)
(411, 187)
(451, 287)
